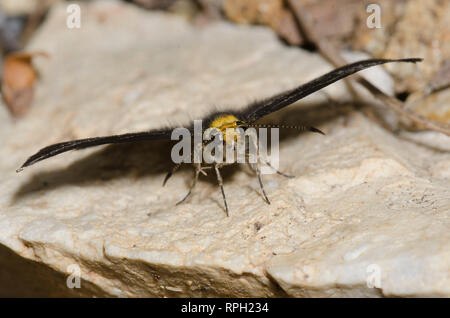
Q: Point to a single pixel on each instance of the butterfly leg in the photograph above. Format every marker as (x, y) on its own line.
(220, 181)
(257, 170)
(278, 172)
(170, 173)
(255, 166)
(198, 169)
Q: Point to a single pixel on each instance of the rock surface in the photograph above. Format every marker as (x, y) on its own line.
(414, 27)
(364, 201)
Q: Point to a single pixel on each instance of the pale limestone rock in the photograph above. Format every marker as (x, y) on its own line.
(362, 196)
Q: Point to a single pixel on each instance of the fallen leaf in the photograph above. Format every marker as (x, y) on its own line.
(18, 80)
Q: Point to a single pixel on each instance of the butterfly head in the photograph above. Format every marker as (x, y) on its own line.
(227, 125)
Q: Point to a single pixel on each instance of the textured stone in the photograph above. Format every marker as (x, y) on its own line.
(361, 195)
(435, 106)
(415, 27)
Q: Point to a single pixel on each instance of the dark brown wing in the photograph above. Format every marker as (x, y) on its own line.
(61, 147)
(274, 103)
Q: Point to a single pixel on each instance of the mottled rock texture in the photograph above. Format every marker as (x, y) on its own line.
(417, 27)
(364, 202)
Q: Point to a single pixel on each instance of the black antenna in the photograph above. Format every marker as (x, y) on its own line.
(297, 127)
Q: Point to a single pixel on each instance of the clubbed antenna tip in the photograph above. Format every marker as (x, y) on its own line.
(316, 130)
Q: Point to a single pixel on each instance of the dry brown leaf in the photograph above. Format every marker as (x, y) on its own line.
(18, 80)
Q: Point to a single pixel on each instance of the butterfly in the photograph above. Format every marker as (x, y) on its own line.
(221, 122)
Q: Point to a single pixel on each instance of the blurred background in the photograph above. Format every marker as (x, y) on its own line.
(419, 28)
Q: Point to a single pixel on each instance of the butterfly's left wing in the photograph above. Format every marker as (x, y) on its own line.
(264, 107)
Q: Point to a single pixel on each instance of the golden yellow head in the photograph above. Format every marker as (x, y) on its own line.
(222, 122)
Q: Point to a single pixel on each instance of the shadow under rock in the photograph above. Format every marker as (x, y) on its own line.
(21, 277)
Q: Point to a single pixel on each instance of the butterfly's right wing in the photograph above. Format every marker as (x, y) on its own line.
(61, 147)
